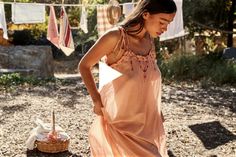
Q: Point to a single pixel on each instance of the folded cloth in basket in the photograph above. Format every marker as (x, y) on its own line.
(42, 128)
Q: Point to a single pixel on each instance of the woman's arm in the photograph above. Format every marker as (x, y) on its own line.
(103, 46)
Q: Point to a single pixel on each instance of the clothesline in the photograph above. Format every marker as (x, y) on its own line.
(213, 28)
(103, 24)
(65, 5)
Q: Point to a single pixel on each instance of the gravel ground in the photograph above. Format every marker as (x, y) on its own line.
(199, 122)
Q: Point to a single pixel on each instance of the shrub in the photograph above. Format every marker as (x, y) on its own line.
(211, 68)
(14, 79)
(10, 79)
(31, 35)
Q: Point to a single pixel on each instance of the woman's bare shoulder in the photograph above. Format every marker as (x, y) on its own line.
(113, 35)
(106, 43)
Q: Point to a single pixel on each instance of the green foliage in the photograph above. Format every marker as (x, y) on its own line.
(213, 13)
(206, 68)
(15, 79)
(33, 35)
(39, 30)
(10, 79)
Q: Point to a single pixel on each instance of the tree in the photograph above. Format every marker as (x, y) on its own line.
(213, 15)
(231, 23)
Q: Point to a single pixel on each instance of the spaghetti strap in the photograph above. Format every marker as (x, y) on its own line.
(125, 42)
(119, 49)
(121, 41)
(126, 39)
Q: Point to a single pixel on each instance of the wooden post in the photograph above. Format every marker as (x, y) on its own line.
(231, 24)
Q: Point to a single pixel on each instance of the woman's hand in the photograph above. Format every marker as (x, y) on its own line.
(162, 117)
(97, 109)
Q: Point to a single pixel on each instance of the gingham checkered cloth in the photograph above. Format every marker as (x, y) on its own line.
(102, 21)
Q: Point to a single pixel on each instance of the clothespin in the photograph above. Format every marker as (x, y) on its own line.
(84, 4)
(62, 6)
(133, 2)
(62, 2)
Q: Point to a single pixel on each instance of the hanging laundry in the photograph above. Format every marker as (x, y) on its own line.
(102, 21)
(52, 32)
(113, 12)
(28, 13)
(66, 42)
(83, 20)
(3, 24)
(127, 8)
(176, 27)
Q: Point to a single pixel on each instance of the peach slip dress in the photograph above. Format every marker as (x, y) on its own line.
(131, 125)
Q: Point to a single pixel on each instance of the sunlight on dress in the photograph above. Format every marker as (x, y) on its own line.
(131, 94)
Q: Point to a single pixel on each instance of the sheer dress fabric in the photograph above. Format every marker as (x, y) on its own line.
(131, 125)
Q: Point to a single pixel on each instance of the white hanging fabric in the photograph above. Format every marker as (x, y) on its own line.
(52, 32)
(3, 24)
(127, 8)
(84, 20)
(28, 13)
(66, 42)
(176, 27)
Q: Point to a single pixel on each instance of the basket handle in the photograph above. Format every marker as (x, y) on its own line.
(53, 122)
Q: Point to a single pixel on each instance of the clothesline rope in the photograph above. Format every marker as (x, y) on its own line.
(65, 5)
(213, 28)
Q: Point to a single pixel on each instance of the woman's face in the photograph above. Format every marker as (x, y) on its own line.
(156, 24)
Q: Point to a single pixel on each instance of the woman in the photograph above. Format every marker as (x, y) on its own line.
(129, 121)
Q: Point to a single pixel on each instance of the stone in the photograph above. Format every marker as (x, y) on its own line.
(229, 53)
(39, 59)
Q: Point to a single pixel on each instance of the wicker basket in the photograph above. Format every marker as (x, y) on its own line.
(53, 146)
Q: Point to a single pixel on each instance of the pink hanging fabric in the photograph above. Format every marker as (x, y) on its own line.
(66, 42)
(52, 32)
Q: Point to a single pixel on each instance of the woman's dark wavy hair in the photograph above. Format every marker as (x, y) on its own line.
(151, 6)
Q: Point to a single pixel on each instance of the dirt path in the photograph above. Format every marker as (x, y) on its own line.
(199, 122)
